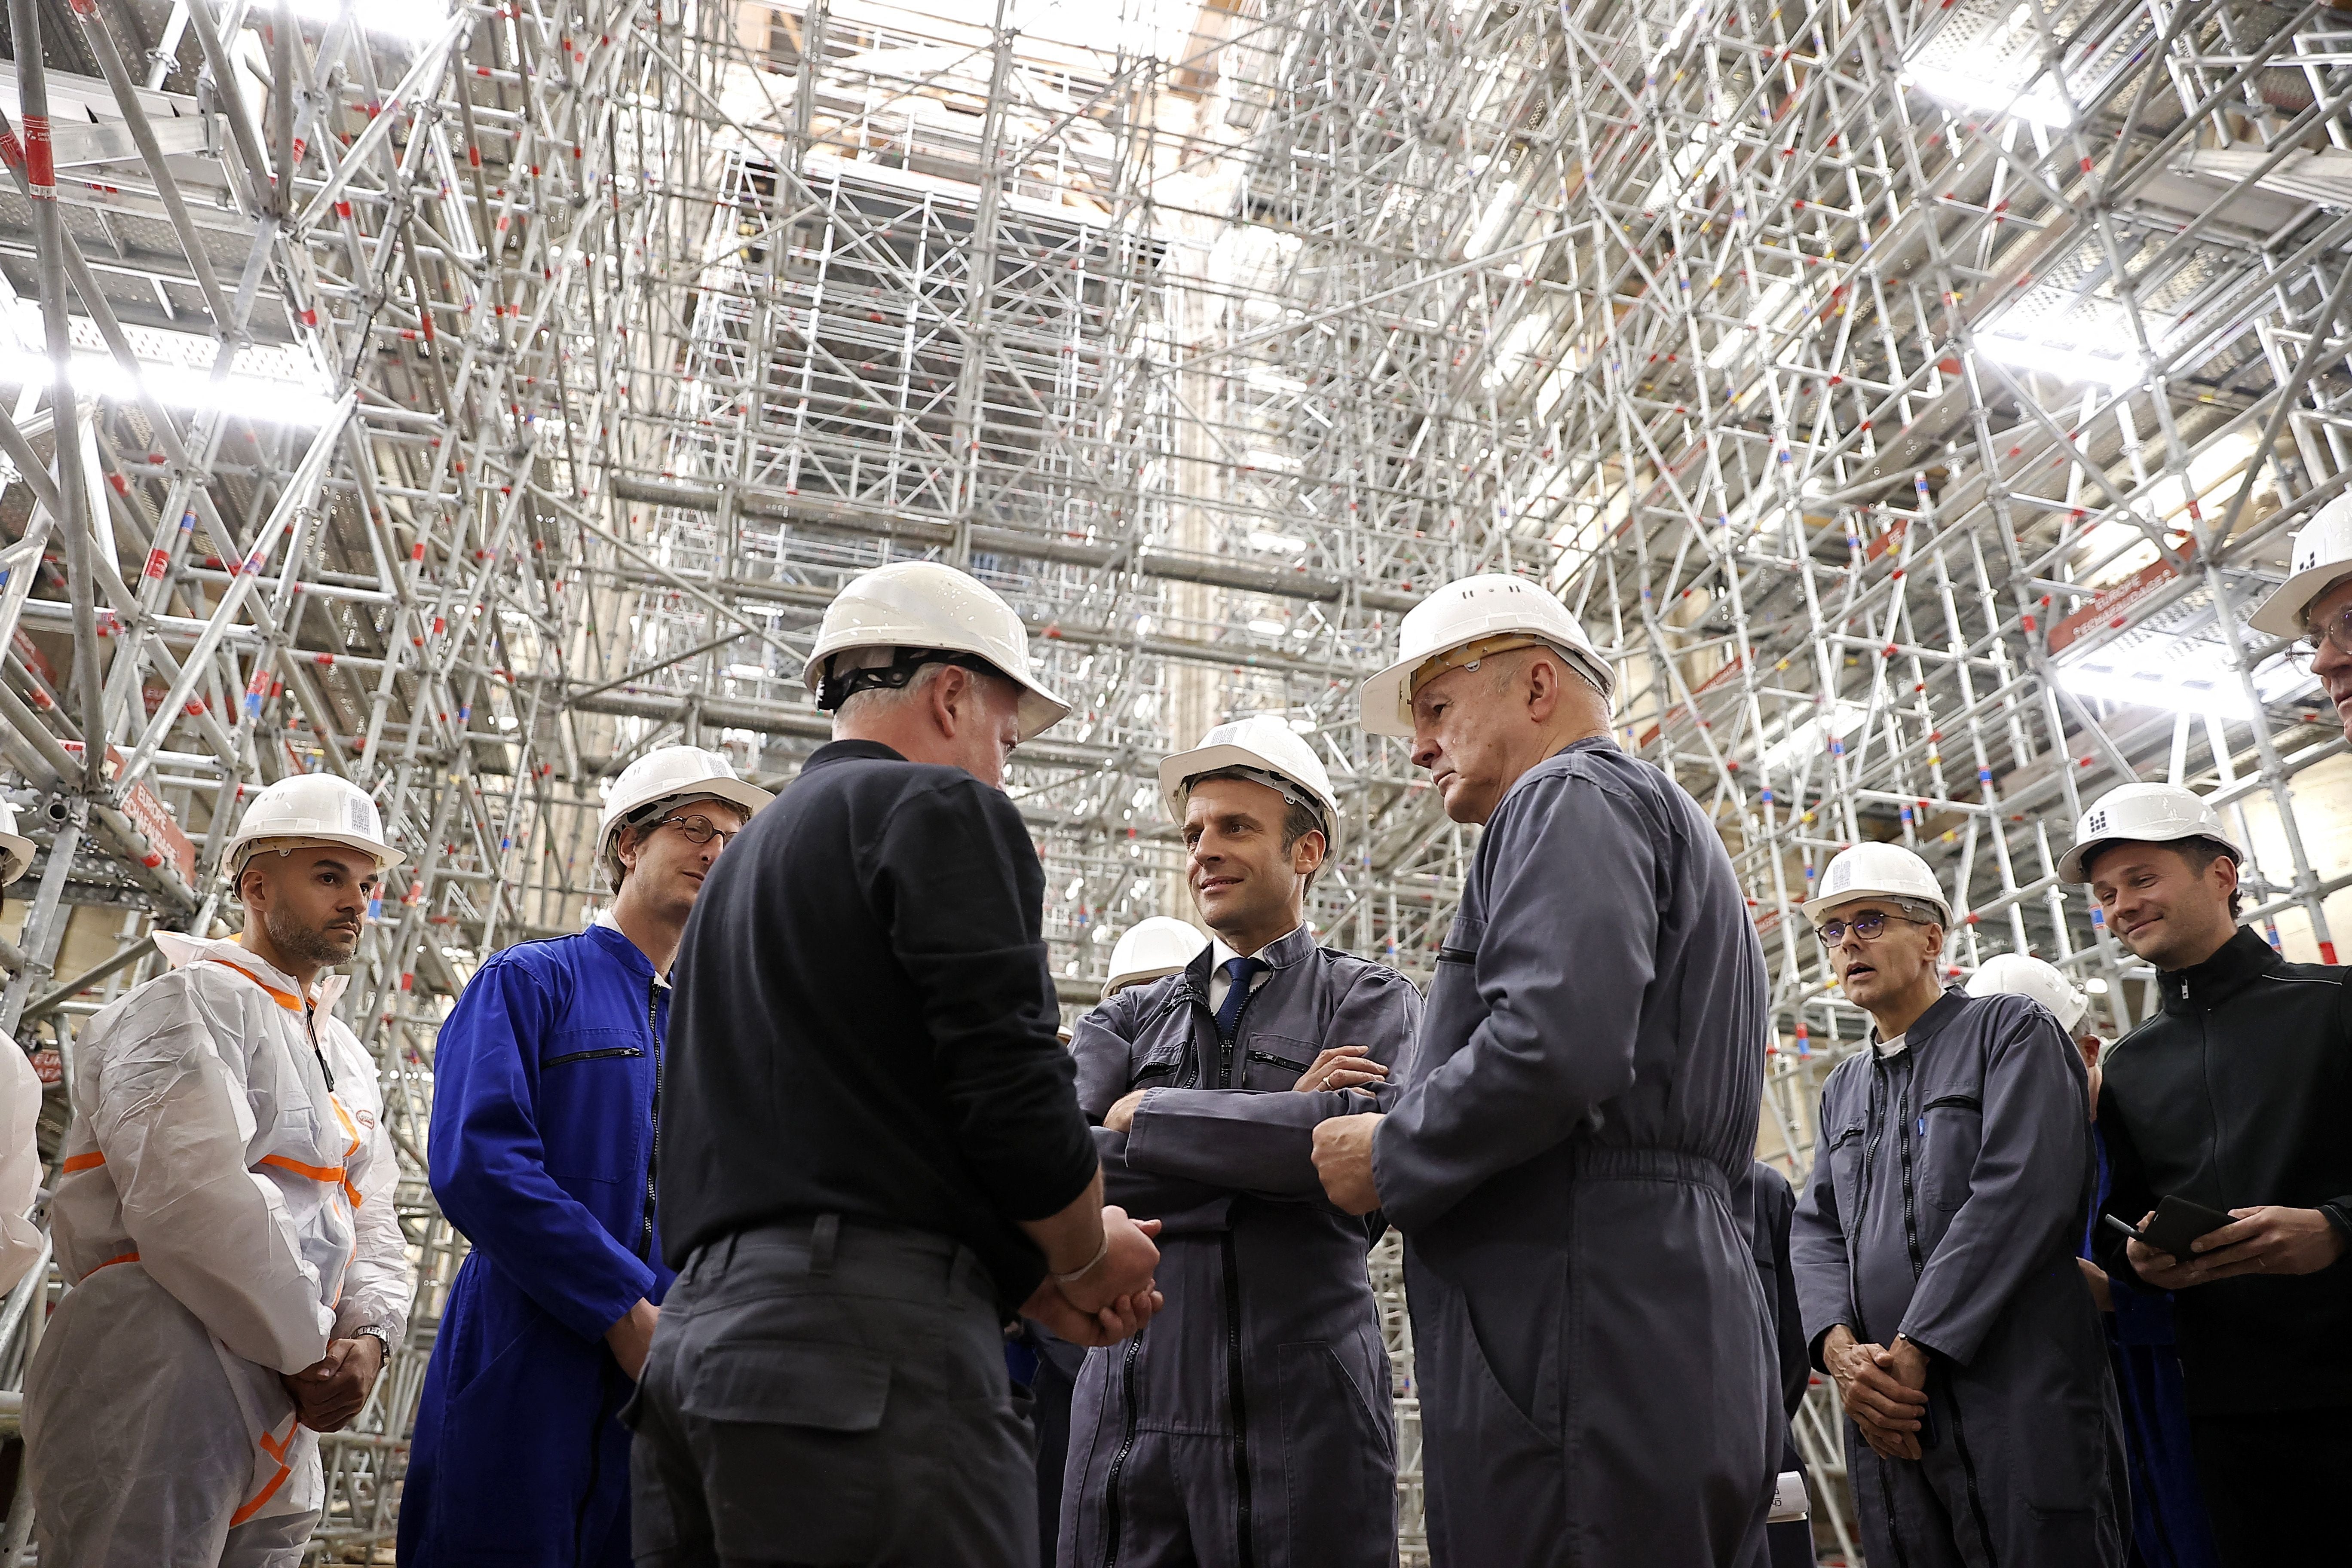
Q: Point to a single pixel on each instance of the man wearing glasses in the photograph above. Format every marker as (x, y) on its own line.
(545, 1152)
(1934, 1251)
(2314, 604)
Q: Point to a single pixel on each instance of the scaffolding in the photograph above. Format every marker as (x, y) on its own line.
(1913, 399)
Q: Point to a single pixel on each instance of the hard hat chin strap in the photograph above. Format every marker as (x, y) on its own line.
(839, 684)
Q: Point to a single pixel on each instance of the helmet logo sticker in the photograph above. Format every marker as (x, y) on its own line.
(2098, 822)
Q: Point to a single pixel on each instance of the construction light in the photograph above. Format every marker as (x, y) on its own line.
(277, 384)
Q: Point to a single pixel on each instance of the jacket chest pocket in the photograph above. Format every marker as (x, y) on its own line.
(591, 1108)
(1948, 1130)
(1846, 1146)
(1275, 1061)
(1453, 1007)
(1157, 1064)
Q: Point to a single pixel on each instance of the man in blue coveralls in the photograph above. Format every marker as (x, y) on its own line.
(545, 1130)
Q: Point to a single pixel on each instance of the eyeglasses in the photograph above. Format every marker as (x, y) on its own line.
(1869, 925)
(2335, 633)
(700, 829)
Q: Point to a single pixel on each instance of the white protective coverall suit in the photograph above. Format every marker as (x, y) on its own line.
(223, 1212)
(20, 1166)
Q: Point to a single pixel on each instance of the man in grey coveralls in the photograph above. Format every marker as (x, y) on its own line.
(1249, 1427)
(1570, 1157)
(1934, 1250)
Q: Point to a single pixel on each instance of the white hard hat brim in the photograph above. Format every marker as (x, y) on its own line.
(1176, 769)
(1119, 982)
(15, 856)
(2281, 615)
(1386, 697)
(384, 855)
(1040, 709)
(1815, 911)
(2071, 864)
(745, 798)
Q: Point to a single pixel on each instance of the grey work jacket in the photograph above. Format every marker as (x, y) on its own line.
(1270, 1340)
(1569, 1162)
(1947, 1197)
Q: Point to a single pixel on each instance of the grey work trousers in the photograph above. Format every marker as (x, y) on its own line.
(830, 1392)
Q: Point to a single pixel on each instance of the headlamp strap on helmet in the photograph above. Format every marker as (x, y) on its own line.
(839, 685)
(1469, 656)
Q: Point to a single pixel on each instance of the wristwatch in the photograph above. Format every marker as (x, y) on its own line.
(383, 1341)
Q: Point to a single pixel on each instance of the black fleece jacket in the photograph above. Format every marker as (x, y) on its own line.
(2239, 1093)
(865, 1023)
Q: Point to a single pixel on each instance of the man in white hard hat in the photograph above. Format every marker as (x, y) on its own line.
(224, 1216)
(2233, 1096)
(546, 1151)
(2168, 1519)
(873, 1157)
(2314, 604)
(20, 1108)
(1934, 1251)
(1570, 1156)
(1252, 1424)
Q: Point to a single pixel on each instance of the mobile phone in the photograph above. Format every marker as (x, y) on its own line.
(2179, 1222)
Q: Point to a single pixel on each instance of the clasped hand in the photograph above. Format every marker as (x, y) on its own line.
(1882, 1388)
(333, 1389)
(1115, 1297)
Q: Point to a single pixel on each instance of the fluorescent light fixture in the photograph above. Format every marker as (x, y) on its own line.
(1268, 629)
(1764, 318)
(1811, 736)
(278, 383)
(1265, 457)
(2063, 360)
(747, 672)
(1490, 223)
(1286, 543)
(1981, 89)
(2174, 690)
(1275, 381)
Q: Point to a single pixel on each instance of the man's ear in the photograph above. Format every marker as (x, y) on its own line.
(952, 692)
(1542, 680)
(1304, 860)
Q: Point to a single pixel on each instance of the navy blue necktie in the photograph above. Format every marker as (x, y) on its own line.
(1239, 971)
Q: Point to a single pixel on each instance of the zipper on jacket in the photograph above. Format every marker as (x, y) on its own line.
(1118, 1459)
(1226, 1048)
(1910, 1208)
(653, 1152)
(591, 1055)
(1271, 1060)
(1237, 1396)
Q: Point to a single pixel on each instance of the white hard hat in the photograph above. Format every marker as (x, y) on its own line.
(2323, 555)
(1266, 748)
(2146, 814)
(2022, 974)
(1494, 613)
(1875, 871)
(923, 607)
(1151, 948)
(661, 777)
(15, 849)
(312, 809)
